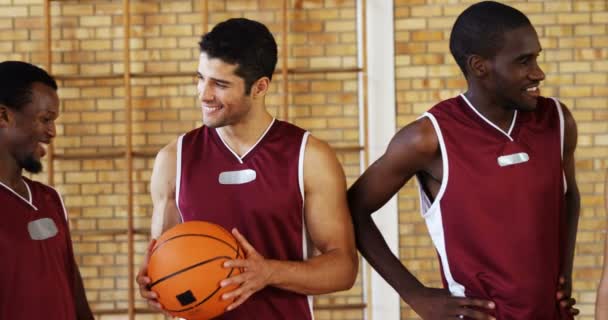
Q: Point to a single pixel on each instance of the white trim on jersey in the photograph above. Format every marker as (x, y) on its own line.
(508, 134)
(301, 164)
(240, 158)
(561, 137)
(305, 240)
(29, 194)
(433, 214)
(178, 174)
(65, 211)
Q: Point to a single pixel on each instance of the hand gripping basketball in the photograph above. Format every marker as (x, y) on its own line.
(186, 268)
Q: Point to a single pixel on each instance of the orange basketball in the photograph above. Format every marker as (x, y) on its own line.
(185, 269)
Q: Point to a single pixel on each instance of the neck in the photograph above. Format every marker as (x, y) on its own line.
(490, 108)
(244, 134)
(10, 172)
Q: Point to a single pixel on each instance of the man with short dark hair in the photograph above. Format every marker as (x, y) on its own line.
(495, 167)
(39, 278)
(270, 182)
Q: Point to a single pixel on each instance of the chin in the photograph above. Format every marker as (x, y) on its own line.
(32, 165)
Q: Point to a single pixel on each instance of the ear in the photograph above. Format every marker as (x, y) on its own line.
(477, 65)
(260, 87)
(5, 116)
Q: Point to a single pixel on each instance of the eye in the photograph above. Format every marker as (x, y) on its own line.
(221, 85)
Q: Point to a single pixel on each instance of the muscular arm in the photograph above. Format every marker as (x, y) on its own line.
(409, 151)
(162, 189)
(414, 149)
(572, 195)
(164, 214)
(329, 225)
(601, 309)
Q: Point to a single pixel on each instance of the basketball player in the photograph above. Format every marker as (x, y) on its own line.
(495, 167)
(270, 182)
(39, 278)
(601, 307)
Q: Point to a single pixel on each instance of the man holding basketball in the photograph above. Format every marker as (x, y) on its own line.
(280, 190)
(39, 278)
(495, 167)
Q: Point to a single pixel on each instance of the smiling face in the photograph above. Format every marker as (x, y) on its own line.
(514, 74)
(221, 93)
(32, 127)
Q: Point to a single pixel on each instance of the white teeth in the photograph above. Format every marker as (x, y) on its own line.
(532, 89)
(211, 108)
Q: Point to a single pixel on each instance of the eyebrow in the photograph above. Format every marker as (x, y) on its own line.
(526, 55)
(220, 81)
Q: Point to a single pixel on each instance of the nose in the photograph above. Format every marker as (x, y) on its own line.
(537, 73)
(52, 129)
(205, 92)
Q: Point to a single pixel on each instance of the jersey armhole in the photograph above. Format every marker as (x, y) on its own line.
(178, 173)
(426, 205)
(305, 239)
(65, 211)
(562, 130)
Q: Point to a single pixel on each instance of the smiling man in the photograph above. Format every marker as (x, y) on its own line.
(280, 190)
(495, 169)
(39, 278)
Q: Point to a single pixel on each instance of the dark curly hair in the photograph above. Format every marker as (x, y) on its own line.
(16, 79)
(480, 30)
(244, 42)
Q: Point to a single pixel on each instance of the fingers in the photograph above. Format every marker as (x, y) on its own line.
(237, 263)
(467, 308)
(234, 280)
(567, 303)
(144, 281)
(247, 247)
(468, 302)
(143, 270)
(473, 314)
(239, 301)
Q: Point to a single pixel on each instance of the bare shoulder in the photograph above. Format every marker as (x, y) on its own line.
(321, 163)
(168, 151)
(416, 142)
(165, 165)
(317, 148)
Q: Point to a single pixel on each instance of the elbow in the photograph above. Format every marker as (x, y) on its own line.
(350, 274)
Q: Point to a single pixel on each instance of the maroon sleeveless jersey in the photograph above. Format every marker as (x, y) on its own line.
(260, 194)
(36, 258)
(497, 221)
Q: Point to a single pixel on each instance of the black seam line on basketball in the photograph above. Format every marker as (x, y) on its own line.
(193, 235)
(186, 269)
(206, 298)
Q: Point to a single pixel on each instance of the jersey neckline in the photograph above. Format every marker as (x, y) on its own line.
(508, 134)
(240, 158)
(29, 201)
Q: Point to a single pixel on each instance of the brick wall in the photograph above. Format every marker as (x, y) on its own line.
(87, 39)
(574, 41)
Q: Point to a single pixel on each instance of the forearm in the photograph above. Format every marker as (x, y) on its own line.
(601, 307)
(334, 270)
(376, 251)
(83, 311)
(572, 215)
